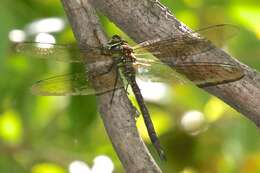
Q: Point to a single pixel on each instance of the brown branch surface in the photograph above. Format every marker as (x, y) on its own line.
(147, 19)
(119, 117)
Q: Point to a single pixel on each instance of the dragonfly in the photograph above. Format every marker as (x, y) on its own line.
(135, 62)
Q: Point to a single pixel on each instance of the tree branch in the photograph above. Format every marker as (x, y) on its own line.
(148, 19)
(119, 117)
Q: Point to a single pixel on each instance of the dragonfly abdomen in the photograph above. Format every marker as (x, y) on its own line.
(147, 119)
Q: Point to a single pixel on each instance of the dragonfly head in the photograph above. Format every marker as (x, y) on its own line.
(116, 39)
(117, 46)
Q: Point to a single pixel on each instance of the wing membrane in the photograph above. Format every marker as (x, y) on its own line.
(188, 44)
(174, 51)
(59, 52)
(219, 34)
(69, 85)
(200, 73)
(158, 72)
(208, 74)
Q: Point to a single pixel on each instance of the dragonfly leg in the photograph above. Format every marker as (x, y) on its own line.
(126, 88)
(115, 84)
(110, 68)
(136, 112)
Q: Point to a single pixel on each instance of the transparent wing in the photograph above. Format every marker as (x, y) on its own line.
(219, 34)
(174, 51)
(158, 72)
(59, 52)
(188, 44)
(208, 74)
(70, 84)
(200, 73)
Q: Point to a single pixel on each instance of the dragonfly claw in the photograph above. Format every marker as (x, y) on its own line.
(137, 113)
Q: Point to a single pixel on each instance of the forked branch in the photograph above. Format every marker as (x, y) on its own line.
(147, 19)
(118, 117)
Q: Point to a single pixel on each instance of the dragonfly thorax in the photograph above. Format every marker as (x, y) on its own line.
(119, 47)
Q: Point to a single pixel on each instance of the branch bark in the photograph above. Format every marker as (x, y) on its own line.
(119, 117)
(148, 19)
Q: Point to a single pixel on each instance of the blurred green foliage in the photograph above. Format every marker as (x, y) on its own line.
(45, 134)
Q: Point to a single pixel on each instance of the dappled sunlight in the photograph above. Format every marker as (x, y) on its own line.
(248, 16)
(47, 25)
(189, 18)
(47, 108)
(258, 34)
(190, 96)
(102, 164)
(42, 38)
(47, 168)
(154, 91)
(193, 3)
(233, 148)
(198, 132)
(19, 64)
(188, 170)
(17, 35)
(214, 109)
(251, 163)
(162, 121)
(194, 122)
(11, 130)
(79, 167)
(226, 162)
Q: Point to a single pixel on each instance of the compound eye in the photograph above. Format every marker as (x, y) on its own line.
(116, 37)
